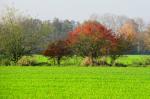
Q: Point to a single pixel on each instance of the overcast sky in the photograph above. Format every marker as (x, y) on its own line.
(80, 9)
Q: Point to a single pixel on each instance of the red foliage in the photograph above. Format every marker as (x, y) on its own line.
(57, 50)
(94, 30)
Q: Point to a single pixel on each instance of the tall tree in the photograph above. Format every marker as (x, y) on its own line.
(19, 34)
(11, 35)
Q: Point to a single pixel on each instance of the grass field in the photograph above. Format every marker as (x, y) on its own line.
(74, 82)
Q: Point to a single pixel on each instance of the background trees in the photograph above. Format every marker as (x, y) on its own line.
(135, 25)
(134, 31)
(107, 35)
(129, 29)
(147, 38)
(61, 28)
(22, 35)
(111, 21)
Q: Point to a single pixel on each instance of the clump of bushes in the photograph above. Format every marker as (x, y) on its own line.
(27, 61)
(87, 61)
(147, 61)
(5, 62)
(144, 62)
(119, 64)
(138, 63)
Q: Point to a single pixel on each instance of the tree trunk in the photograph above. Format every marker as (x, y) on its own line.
(58, 60)
(112, 62)
(54, 61)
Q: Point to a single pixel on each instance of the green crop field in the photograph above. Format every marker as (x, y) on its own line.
(74, 82)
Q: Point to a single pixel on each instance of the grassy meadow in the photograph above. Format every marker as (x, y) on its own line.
(74, 82)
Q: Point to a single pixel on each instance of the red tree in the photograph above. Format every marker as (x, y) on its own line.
(57, 50)
(92, 39)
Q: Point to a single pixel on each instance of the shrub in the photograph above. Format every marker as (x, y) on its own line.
(87, 61)
(147, 61)
(27, 61)
(118, 64)
(139, 63)
(144, 62)
(5, 62)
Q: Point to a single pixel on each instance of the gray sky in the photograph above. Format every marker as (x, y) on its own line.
(80, 9)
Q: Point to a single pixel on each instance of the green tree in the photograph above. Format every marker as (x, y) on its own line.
(20, 35)
(11, 35)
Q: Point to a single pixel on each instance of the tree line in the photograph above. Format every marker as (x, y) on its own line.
(21, 35)
(107, 35)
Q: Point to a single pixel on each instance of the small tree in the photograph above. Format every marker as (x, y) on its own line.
(120, 47)
(57, 50)
(125, 40)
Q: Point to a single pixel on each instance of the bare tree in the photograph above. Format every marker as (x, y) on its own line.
(112, 21)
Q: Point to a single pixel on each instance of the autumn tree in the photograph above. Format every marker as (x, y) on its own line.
(125, 40)
(58, 50)
(129, 29)
(134, 32)
(90, 38)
